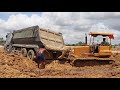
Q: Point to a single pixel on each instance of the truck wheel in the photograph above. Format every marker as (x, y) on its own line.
(9, 49)
(31, 54)
(24, 52)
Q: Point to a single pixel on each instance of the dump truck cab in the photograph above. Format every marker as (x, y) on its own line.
(103, 48)
(8, 43)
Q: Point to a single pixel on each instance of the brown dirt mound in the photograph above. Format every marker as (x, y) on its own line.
(16, 66)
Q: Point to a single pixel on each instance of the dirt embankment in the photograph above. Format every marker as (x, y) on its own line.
(14, 66)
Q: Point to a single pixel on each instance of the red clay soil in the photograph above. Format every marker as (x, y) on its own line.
(16, 66)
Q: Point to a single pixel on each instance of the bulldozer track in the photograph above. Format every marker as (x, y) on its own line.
(80, 63)
(93, 58)
(91, 61)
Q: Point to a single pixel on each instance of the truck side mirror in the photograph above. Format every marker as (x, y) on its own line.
(6, 36)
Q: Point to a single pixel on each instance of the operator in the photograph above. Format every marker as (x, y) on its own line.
(104, 42)
(96, 47)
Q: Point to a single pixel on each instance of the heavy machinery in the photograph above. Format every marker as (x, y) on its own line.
(28, 40)
(89, 51)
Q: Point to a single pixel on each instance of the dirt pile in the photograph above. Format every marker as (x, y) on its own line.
(16, 66)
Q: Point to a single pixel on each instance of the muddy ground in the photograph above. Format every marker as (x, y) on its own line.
(16, 66)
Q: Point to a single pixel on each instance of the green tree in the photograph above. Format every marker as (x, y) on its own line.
(76, 44)
(79, 43)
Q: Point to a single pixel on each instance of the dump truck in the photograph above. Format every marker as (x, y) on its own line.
(28, 40)
(91, 51)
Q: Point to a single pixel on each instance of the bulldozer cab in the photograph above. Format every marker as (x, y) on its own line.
(102, 48)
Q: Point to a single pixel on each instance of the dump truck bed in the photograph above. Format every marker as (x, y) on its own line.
(37, 36)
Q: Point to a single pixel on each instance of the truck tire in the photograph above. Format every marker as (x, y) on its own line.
(31, 54)
(24, 52)
(6, 49)
(9, 49)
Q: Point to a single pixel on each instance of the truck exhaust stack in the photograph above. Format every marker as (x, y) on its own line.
(85, 38)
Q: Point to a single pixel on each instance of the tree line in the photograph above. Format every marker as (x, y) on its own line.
(2, 41)
(80, 43)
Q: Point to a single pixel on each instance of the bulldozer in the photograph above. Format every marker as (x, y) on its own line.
(90, 52)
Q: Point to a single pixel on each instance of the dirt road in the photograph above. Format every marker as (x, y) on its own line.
(15, 66)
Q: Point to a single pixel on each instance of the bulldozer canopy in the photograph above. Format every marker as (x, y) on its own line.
(95, 34)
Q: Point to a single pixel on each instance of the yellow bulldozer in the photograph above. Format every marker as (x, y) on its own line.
(97, 52)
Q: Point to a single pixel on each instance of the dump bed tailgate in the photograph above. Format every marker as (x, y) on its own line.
(51, 40)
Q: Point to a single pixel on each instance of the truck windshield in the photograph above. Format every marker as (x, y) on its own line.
(9, 38)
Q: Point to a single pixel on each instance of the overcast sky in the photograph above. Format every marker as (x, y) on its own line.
(73, 25)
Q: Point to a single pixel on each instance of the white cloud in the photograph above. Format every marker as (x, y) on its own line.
(9, 12)
(73, 25)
